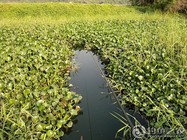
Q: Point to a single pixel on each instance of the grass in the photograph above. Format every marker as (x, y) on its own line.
(55, 13)
(76, 1)
(20, 10)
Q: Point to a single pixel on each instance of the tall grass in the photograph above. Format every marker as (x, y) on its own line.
(20, 10)
(55, 13)
(75, 1)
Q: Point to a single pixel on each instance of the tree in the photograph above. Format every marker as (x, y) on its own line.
(171, 5)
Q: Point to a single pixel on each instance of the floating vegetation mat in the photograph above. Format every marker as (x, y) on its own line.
(145, 60)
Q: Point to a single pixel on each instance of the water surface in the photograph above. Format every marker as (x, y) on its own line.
(95, 122)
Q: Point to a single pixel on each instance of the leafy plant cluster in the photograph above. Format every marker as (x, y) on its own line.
(35, 100)
(145, 60)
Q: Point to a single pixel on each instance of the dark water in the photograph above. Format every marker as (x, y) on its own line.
(95, 122)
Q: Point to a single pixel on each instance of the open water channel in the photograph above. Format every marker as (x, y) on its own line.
(95, 122)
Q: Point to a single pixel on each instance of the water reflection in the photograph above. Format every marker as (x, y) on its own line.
(95, 122)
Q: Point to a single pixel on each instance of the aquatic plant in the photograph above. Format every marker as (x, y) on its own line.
(36, 102)
(145, 61)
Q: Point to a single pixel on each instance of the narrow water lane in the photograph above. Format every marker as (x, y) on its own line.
(95, 122)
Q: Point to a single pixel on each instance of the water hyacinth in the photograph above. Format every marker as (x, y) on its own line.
(34, 86)
(145, 60)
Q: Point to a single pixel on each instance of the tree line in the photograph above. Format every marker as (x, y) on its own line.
(171, 5)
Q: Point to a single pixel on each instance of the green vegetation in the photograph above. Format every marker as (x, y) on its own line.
(74, 1)
(146, 61)
(166, 5)
(57, 13)
(145, 56)
(32, 13)
(55, 10)
(34, 90)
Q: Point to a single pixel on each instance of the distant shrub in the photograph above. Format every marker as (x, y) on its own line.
(178, 6)
(165, 5)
